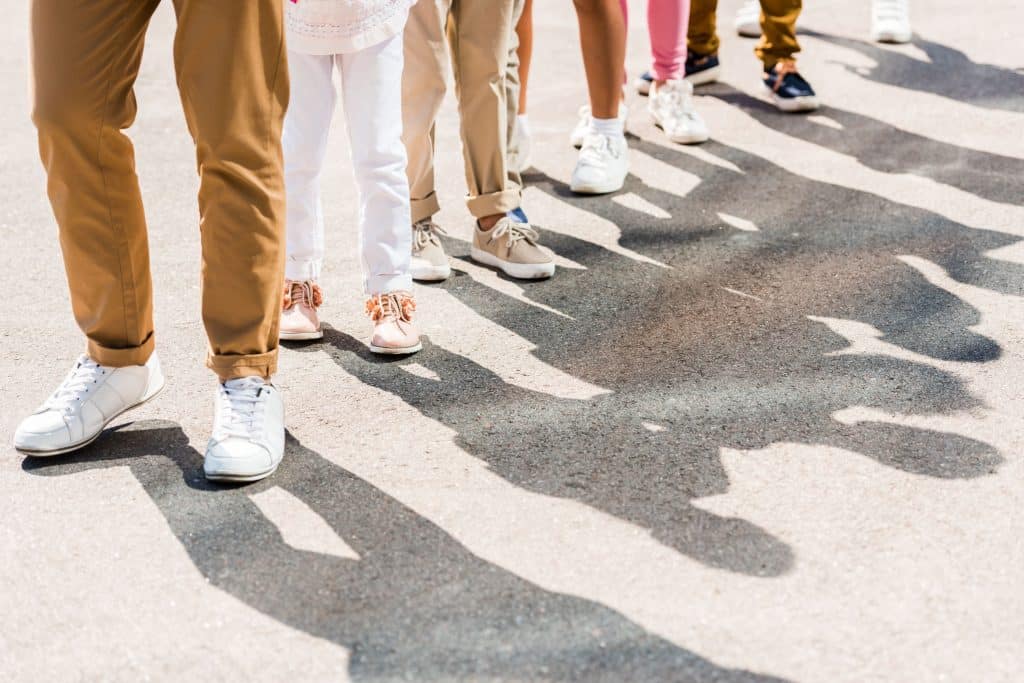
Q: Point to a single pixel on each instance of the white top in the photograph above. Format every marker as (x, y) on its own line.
(327, 27)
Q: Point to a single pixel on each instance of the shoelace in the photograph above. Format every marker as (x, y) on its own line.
(299, 293)
(394, 306)
(595, 149)
(677, 98)
(890, 10)
(514, 231)
(85, 373)
(424, 232)
(240, 408)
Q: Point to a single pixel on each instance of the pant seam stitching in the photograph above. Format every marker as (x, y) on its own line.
(117, 226)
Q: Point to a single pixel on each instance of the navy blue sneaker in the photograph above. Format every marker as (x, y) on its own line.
(518, 215)
(787, 88)
(702, 69)
(644, 83)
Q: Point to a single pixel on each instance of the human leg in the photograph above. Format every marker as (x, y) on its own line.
(304, 140)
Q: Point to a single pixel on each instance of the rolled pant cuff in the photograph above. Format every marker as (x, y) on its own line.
(663, 72)
(229, 366)
(388, 283)
(776, 55)
(424, 208)
(494, 203)
(119, 358)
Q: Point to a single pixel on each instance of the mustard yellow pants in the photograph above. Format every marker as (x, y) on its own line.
(778, 29)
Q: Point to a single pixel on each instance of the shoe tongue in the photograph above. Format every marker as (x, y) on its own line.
(243, 383)
(298, 293)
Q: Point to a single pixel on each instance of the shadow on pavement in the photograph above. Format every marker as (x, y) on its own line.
(417, 605)
(949, 73)
(694, 367)
(887, 149)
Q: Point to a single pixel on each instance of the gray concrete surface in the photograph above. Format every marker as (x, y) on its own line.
(763, 425)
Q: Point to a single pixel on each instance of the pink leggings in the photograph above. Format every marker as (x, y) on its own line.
(667, 22)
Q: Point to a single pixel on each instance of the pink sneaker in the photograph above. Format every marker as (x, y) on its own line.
(393, 331)
(299, 319)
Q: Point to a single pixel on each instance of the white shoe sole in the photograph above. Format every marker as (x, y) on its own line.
(520, 271)
(240, 478)
(390, 351)
(792, 104)
(706, 76)
(892, 37)
(692, 139)
(748, 31)
(301, 336)
(150, 395)
(432, 273)
(643, 86)
(597, 188)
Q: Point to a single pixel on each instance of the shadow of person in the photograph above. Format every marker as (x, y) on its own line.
(948, 73)
(415, 605)
(597, 452)
(815, 249)
(716, 350)
(887, 149)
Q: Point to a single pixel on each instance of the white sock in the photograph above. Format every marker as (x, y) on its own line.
(612, 128)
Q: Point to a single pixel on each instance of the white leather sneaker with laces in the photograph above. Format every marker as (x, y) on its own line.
(890, 21)
(602, 165)
(248, 431)
(88, 399)
(671, 107)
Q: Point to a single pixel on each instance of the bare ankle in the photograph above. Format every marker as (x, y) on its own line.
(488, 222)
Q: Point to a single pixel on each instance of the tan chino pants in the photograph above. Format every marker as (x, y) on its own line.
(778, 29)
(476, 34)
(232, 76)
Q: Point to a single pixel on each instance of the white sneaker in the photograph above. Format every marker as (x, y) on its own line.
(671, 106)
(582, 128)
(748, 19)
(602, 166)
(248, 431)
(520, 146)
(88, 399)
(890, 21)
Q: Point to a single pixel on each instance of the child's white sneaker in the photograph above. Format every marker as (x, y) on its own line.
(602, 165)
(890, 21)
(671, 107)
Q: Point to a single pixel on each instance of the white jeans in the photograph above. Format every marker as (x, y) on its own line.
(371, 87)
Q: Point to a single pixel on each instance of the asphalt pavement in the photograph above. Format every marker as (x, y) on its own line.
(764, 424)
